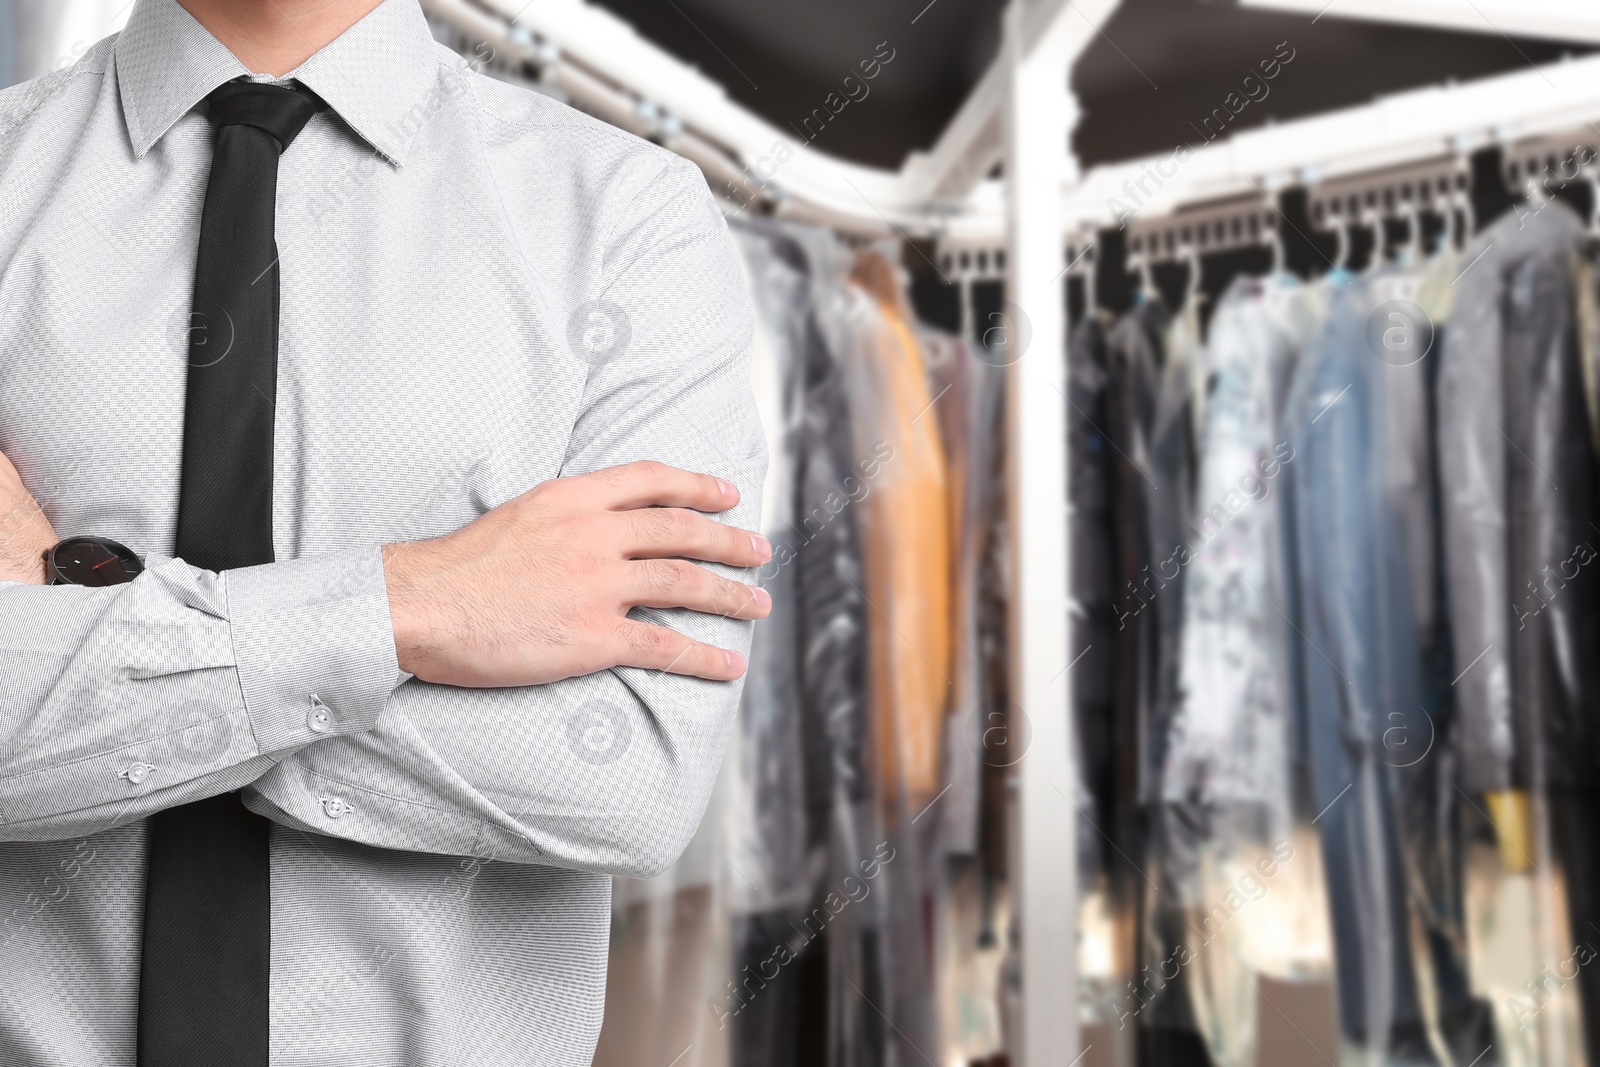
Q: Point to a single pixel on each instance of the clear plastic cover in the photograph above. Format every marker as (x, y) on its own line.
(840, 903)
(1343, 754)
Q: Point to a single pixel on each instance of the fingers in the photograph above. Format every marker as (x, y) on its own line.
(654, 533)
(675, 583)
(661, 649)
(651, 484)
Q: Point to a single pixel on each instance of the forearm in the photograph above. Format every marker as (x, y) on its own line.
(25, 532)
(608, 772)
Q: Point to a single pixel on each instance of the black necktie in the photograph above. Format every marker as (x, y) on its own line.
(207, 919)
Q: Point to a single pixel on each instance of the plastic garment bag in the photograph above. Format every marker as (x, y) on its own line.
(1517, 465)
(767, 839)
(1144, 604)
(765, 832)
(1145, 458)
(968, 391)
(845, 818)
(1374, 778)
(1133, 371)
(1512, 352)
(905, 549)
(1224, 824)
(908, 564)
(1091, 642)
(1168, 1034)
(1092, 649)
(1363, 670)
(1229, 739)
(1172, 448)
(876, 898)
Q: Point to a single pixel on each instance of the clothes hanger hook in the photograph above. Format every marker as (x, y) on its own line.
(1191, 288)
(1413, 251)
(1146, 285)
(1374, 222)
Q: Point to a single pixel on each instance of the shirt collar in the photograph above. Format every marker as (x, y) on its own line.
(376, 76)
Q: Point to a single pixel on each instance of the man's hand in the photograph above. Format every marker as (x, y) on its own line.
(25, 534)
(539, 589)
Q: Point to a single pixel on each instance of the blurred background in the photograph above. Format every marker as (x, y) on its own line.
(1184, 420)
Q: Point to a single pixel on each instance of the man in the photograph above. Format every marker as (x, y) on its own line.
(394, 376)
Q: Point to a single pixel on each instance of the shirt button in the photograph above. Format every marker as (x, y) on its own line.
(320, 718)
(334, 807)
(136, 773)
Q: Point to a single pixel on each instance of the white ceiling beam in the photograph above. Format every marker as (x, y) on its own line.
(1555, 20)
(1409, 127)
(972, 143)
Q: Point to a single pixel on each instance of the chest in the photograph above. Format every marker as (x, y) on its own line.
(422, 373)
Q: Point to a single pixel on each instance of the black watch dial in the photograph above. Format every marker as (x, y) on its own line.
(93, 561)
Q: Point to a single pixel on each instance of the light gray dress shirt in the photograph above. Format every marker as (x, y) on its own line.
(481, 290)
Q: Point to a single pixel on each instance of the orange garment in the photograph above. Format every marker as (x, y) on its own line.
(906, 550)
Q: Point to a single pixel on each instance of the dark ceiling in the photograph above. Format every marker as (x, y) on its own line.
(1157, 67)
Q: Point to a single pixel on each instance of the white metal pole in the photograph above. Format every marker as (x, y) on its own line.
(1039, 114)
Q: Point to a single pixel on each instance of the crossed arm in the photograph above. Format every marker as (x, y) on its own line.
(517, 631)
(553, 683)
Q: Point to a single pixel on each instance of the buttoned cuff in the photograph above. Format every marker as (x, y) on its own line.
(314, 645)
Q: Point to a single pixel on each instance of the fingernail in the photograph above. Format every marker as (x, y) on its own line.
(763, 598)
(735, 662)
(726, 487)
(762, 546)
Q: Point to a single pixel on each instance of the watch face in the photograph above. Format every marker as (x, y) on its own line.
(95, 561)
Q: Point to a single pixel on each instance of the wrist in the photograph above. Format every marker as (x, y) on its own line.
(406, 566)
(25, 533)
(22, 555)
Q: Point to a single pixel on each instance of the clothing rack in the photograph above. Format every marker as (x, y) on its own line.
(1311, 181)
(1418, 142)
(1425, 203)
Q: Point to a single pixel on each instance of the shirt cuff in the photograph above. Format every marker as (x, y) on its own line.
(314, 646)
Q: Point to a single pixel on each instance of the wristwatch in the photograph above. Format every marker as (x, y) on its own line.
(91, 561)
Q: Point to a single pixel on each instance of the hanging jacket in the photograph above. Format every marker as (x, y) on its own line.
(880, 987)
(767, 836)
(1362, 666)
(1092, 640)
(968, 392)
(1173, 469)
(1230, 731)
(907, 548)
(1518, 470)
(1140, 598)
